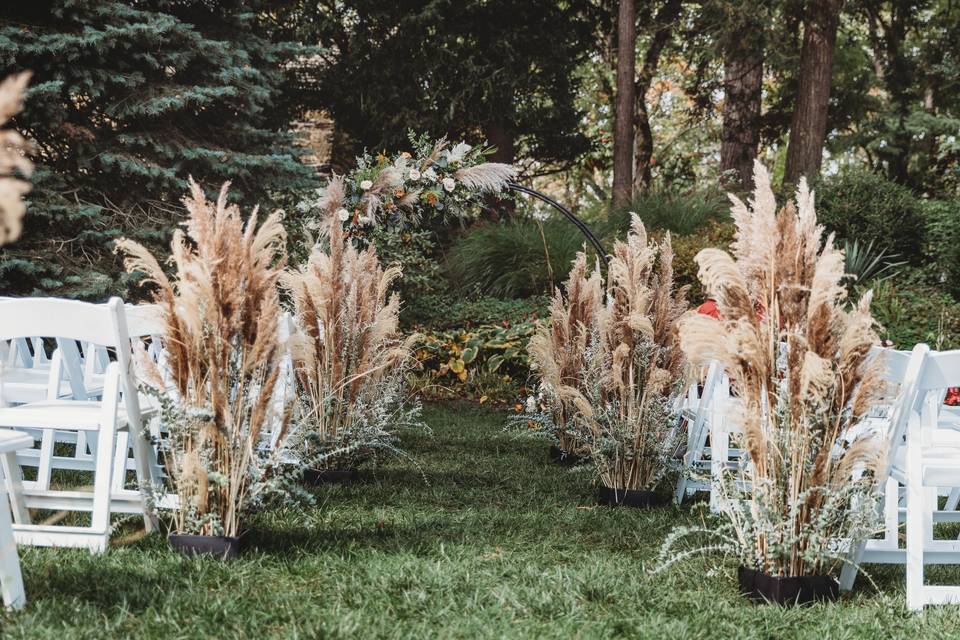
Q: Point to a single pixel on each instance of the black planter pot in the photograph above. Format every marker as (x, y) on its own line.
(630, 498)
(563, 458)
(223, 547)
(316, 477)
(786, 591)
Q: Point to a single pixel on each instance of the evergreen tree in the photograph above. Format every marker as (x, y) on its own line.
(128, 99)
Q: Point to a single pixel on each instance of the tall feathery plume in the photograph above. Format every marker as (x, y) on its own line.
(635, 368)
(349, 359)
(798, 357)
(221, 310)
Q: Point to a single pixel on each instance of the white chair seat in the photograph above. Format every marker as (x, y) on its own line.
(59, 414)
(14, 440)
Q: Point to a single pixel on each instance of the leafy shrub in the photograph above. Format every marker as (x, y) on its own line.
(509, 259)
(911, 311)
(943, 241)
(679, 212)
(451, 310)
(864, 206)
(487, 362)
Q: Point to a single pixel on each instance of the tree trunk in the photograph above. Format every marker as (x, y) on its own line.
(808, 126)
(501, 136)
(624, 114)
(665, 20)
(742, 85)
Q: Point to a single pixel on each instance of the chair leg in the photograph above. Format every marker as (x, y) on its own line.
(44, 468)
(916, 538)
(850, 569)
(13, 482)
(103, 481)
(144, 462)
(11, 580)
(719, 452)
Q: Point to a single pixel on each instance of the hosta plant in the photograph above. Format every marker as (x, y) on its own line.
(349, 360)
(627, 401)
(221, 311)
(797, 352)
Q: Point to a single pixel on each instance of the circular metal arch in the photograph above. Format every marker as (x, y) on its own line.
(580, 224)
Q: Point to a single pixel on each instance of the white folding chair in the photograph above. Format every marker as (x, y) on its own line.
(11, 581)
(904, 370)
(118, 411)
(698, 405)
(932, 462)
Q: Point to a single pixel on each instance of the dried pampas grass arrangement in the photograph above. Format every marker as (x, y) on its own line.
(13, 158)
(634, 376)
(797, 354)
(558, 355)
(221, 312)
(609, 365)
(348, 357)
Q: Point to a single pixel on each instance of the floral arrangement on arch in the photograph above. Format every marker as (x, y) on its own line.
(436, 179)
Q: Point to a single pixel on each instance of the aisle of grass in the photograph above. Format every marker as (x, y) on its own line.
(490, 541)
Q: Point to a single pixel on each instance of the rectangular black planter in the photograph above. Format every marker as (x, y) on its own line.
(636, 498)
(563, 458)
(787, 591)
(330, 476)
(223, 547)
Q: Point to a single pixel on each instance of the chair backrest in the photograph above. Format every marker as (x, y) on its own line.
(907, 398)
(103, 325)
(941, 370)
(144, 320)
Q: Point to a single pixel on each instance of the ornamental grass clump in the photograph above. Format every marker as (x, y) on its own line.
(629, 393)
(797, 353)
(221, 311)
(558, 355)
(349, 360)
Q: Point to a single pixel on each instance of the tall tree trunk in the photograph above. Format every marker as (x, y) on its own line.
(808, 126)
(501, 136)
(624, 114)
(742, 89)
(665, 20)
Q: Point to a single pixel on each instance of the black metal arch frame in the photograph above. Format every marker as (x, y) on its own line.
(578, 223)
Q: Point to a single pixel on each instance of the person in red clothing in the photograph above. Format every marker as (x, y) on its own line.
(709, 308)
(953, 397)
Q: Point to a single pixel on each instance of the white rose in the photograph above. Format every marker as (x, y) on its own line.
(449, 184)
(343, 215)
(414, 174)
(531, 404)
(366, 184)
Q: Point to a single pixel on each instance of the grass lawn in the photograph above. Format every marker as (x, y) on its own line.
(489, 541)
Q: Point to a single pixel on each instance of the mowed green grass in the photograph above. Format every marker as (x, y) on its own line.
(475, 536)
